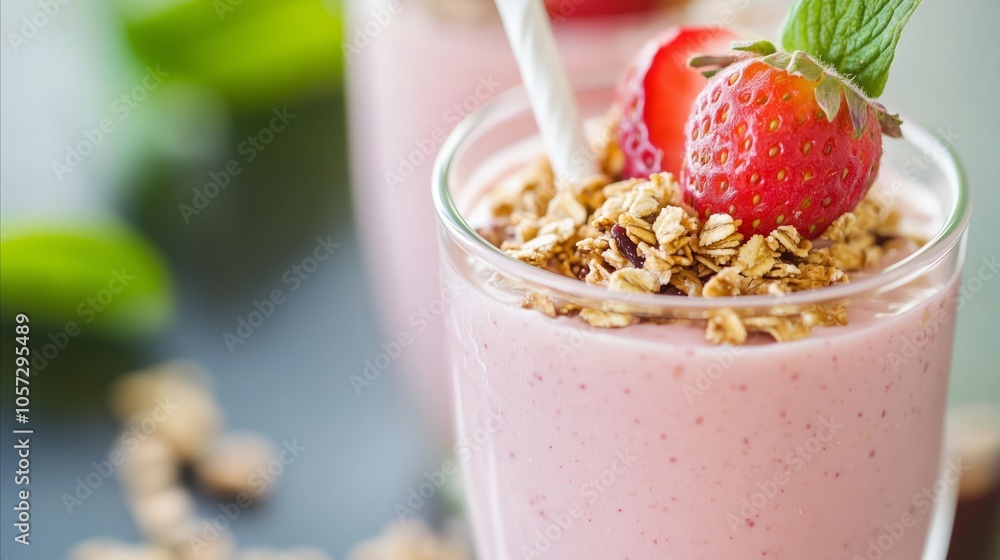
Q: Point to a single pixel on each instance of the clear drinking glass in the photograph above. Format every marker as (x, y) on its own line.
(649, 442)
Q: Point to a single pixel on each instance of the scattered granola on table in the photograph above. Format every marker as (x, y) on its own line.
(410, 540)
(638, 236)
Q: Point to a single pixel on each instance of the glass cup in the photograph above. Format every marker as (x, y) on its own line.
(647, 441)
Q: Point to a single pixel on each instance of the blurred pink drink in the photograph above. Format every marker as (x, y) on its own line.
(415, 71)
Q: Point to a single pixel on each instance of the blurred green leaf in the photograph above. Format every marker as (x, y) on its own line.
(254, 52)
(107, 280)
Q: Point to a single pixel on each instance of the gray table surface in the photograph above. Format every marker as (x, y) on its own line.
(362, 455)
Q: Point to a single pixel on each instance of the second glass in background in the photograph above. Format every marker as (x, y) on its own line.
(415, 70)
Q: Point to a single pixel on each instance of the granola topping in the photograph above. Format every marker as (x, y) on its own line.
(638, 236)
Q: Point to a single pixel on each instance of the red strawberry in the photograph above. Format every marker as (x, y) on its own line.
(780, 140)
(656, 94)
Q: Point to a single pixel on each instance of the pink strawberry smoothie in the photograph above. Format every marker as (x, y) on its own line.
(649, 442)
(415, 73)
(651, 438)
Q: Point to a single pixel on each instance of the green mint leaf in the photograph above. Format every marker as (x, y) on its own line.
(858, 37)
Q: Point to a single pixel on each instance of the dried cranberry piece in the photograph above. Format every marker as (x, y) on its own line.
(671, 290)
(627, 246)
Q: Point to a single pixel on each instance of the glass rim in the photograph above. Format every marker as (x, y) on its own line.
(514, 102)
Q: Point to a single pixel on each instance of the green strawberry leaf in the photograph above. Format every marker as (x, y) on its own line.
(801, 65)
(713, 63)
(858, 37)
(888, 122)
(762, 48)
(779, 60)
(858, 108)
(829, 93)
